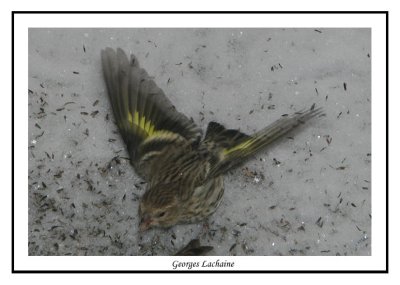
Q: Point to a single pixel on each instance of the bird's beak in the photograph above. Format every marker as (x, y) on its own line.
(145, 223)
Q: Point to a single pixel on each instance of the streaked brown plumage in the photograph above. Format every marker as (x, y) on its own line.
(183, 171)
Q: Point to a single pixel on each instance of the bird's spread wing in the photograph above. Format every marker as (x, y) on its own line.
(239, 147)
(146, 118)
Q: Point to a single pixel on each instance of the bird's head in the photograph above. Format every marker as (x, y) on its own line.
(159, 207)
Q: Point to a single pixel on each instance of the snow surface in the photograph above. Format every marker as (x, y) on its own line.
(308, 194)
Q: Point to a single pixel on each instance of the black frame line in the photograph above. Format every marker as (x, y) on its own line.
(13, 270)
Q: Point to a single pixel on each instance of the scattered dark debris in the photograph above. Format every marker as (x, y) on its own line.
(84, 48)
(95, 103)
(328, 139)
(301, 228)
(135, 197)
(251, 112)
(344, 86)
(316, 90)
(86, 132)
(284, 225)
(84, 113)
(38, 136)
(246, 248)
(235, 233)
(60, 109)
(41, 85)
(54, 227)
(326, 98)
(319, 222)
(74, 234)
(339, 115)
(276, 66)
(325, 251)
(318, 31)
(341, 168)
(37, 126)
(59, 174)
(272, 207)
(271, 107)
(252, 174)
(276, 162)
(75, 72)
(90, 187)
(353, 205)
(368, 55)
(149, 41)
(201, 116)
(30, 91)
(94, 113)
(232, 247)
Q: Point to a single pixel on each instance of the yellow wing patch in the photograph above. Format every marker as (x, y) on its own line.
(148, 127)
(241, 146)
(141, 122)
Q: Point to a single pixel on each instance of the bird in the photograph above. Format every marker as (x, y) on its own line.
(183, 169)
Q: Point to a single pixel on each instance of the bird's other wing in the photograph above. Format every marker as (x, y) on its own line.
(146, 118)
(245, 146)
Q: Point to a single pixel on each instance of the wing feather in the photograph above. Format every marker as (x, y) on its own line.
(141, 110)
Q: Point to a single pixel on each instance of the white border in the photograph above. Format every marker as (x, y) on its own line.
(374, 21)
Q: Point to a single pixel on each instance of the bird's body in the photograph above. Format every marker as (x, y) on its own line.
(184, 172)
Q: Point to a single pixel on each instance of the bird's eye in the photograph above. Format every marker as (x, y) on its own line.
(160, 215)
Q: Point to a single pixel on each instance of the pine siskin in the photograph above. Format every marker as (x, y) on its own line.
(184, 172)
